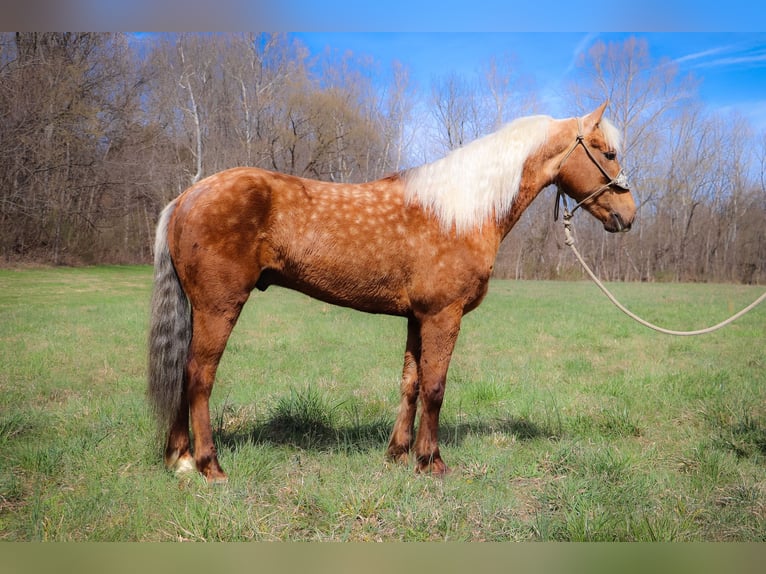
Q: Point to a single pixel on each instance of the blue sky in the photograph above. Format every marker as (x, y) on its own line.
(731, 67)
(390, 15)
(433, 37)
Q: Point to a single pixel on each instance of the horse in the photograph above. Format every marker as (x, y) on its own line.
(419, 244)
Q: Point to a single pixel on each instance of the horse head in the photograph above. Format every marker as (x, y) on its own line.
(590, 173)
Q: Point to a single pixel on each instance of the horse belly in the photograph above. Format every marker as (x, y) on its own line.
(344, 279)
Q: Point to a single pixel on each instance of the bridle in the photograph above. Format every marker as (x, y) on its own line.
(620, 180)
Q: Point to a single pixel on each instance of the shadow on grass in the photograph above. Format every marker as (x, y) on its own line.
(745, 437)
(306, 420)
(308, 435)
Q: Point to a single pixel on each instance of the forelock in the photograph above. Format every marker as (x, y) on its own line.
(612, 135)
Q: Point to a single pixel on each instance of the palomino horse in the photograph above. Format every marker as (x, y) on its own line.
(419, 244)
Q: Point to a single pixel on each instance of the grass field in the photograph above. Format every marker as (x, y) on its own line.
(563, 420)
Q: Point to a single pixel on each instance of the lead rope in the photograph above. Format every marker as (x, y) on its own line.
(570, 242)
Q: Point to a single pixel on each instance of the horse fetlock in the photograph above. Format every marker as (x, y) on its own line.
(398, 453)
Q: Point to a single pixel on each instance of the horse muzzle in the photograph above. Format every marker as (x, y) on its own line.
(615, 223)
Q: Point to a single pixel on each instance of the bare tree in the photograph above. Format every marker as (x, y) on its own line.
(65, 98)
(100, 130)
(458, 112)
(397, 133)
(643, 95)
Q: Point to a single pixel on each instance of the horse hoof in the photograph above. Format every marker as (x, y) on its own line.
(217, 480)
(434, 467)
(398, 456)
(182, 465)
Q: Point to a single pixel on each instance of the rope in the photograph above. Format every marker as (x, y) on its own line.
(570, 241)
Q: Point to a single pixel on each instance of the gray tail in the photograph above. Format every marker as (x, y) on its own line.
(169, 331)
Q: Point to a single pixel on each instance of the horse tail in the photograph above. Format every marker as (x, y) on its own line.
(169, 331)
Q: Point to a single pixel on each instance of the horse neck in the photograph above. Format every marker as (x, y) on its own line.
(540, 170)
(532, 183)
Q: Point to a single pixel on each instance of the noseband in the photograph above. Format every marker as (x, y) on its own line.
(620, 180)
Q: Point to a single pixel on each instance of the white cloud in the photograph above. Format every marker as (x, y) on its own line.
(724, 56)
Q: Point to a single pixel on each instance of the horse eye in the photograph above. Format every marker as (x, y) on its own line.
(610, 155)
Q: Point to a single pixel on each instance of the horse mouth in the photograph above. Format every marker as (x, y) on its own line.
(616, 224)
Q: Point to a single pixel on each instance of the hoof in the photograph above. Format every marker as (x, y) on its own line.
(213, 472)
(185, 465)
(217, 480)
(398, 456)
(181, 465)
(433, 466)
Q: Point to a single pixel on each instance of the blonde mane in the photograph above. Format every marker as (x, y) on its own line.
(480, 179)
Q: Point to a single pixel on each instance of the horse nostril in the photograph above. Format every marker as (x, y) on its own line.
(619, 223)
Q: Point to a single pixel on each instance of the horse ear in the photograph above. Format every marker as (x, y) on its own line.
(592, 119)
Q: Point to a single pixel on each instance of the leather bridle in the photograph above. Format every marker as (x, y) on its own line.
(620, 180)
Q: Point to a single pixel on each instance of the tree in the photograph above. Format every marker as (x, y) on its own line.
(99, 131)
(458, 113)
(643, 94)
(64, 97)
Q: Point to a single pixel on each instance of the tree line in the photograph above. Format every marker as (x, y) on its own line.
(98, 131)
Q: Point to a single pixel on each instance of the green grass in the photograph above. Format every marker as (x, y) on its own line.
(563, 419)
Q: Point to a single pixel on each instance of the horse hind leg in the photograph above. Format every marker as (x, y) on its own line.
(211, 330)
(209, 333)
(402, 435)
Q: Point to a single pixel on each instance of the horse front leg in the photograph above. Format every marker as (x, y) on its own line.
(401, 436)
(438, 336)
